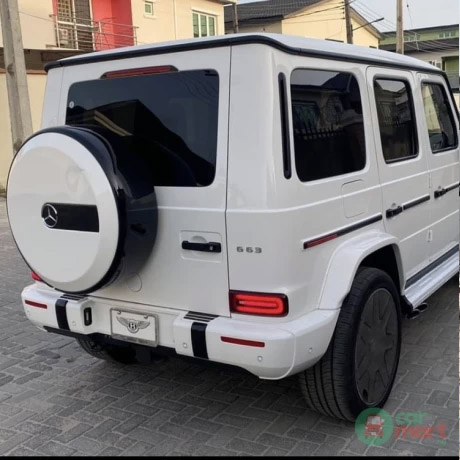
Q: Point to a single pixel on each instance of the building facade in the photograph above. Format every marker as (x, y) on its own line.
(54, 29)
(323, 19)
(436, 45)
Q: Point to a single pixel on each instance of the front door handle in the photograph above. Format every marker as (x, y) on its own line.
(392, 212)
(202, 247)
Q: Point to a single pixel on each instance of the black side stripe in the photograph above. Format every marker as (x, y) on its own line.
(61, 314)
(203, 317)
(200, 350)
(452, 187)
(412, 204)
(418, 276)
(341, 232)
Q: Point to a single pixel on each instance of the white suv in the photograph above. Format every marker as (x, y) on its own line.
(269, 202)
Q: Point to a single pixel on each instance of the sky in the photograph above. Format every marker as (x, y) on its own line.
(420, 13)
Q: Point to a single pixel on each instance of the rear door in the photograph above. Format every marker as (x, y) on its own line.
(440, 141)
(403, 166)
(174, 108)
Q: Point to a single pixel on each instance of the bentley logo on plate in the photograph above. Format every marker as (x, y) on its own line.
(133, 325)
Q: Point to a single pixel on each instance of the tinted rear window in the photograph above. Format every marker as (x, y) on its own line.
(169, 120)
(396, 119)
(328, 124)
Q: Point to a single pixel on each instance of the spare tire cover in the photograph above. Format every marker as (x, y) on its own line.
(70, 209)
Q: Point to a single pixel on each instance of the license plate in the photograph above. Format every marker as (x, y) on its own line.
(135, 327)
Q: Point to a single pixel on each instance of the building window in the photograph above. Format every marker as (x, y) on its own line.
(451, 34)
(148, 8)
(204, 25)
(439, 118)
(328, 124)
(436, 63)
(396, 116)
(412, 38)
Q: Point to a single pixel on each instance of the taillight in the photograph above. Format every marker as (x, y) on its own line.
(140, 71)
(35, 277)
(258, 304)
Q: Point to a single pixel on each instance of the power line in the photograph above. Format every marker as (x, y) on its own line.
(318, 20)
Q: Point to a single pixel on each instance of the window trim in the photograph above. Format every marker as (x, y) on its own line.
(291, 127)
(412, 106)
(426, 82)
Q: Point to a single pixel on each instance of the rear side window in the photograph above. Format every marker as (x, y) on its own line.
(169, 120)
(396, 119)
(328, 124)
(439, 118)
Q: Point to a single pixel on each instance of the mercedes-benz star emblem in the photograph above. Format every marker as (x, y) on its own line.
(50, 215)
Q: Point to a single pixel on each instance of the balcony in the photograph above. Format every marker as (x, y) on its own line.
(88, 35)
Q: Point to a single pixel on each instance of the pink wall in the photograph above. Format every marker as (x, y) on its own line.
(122, 14)
(116, 15)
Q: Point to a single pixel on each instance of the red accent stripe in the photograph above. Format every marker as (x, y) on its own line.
(36, 304)
(311, 244)
(248, 343)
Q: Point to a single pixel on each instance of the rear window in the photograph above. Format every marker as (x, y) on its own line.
(439, 118)
(169, 120)
(397, 123)
(328, 124)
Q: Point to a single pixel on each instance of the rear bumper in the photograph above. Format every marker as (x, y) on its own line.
(288, 347)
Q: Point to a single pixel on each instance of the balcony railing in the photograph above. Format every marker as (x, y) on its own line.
(88, 35)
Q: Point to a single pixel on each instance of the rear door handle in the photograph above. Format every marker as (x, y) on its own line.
(394, 211)
(202, 247)
(440, 192)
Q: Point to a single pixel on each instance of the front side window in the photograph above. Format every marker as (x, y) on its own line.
(396, 117)
(204, 25)
(439, 117)
(169, 120)
(328, 124)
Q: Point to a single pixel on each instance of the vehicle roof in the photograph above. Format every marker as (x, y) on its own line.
(287, 43)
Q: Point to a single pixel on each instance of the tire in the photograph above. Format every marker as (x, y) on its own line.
(122, 355)
(351, 376)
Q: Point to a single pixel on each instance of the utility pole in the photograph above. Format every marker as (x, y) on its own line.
(348, 23)
(236, 27)
(400, 27)
(16, 76)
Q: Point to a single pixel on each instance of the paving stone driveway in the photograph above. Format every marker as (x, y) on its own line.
(55, 400)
